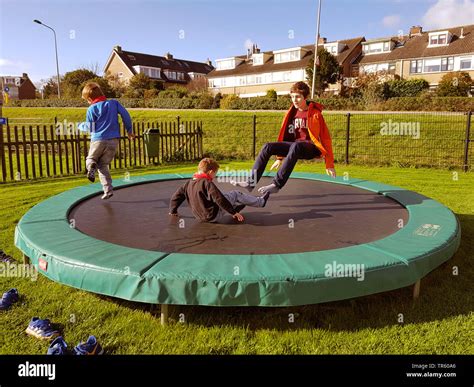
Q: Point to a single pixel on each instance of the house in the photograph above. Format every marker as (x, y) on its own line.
(253, 74)
(123, 65)
(19, 87)
(428, 55)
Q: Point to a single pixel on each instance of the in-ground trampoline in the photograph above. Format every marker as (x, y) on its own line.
(318, 240)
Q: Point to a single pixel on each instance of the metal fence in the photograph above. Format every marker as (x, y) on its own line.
(32, 151)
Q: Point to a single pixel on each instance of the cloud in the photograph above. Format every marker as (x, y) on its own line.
(449, 13)
(15, 67)
(391, 21)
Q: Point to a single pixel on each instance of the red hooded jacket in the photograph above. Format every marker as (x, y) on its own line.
(317, 128)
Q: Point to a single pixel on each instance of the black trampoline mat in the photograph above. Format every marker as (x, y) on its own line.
(306, 215)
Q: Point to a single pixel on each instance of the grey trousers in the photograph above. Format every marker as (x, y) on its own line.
(101, 153)
(237, 198)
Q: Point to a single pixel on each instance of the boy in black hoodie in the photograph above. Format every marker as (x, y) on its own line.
(207, 202)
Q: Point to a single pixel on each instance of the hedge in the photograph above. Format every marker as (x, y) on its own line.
(426, 102)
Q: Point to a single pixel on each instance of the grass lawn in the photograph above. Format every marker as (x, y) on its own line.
(441, 321)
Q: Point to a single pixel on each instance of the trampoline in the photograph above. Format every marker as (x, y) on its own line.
(318, 240)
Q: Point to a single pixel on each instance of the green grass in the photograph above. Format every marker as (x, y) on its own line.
(441, 321)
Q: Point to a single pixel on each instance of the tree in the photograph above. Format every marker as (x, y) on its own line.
(327, 71)
(197, 85)
(73, 82)
(104, 85)
(456, 84)
(139, 83)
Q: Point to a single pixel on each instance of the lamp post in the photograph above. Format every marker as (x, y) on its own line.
(316, 52)
(56, 48)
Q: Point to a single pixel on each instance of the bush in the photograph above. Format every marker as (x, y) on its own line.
(150, 93)
(272, 94)
(230, 101)
(456, 84)
(406, 87)
(174, 92)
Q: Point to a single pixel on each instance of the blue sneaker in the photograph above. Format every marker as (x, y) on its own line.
(90, 347)
(58, 347)
(41, 329)
(8, 299)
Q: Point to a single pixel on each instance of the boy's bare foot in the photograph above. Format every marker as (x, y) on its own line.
(272, 188)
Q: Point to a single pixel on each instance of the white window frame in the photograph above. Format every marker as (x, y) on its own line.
(470, 59)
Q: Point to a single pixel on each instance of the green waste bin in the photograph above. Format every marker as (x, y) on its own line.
(152, 142)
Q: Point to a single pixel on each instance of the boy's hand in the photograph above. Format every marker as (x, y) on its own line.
(331, 172)
(238, 217)
(131, 136)
(276, 164)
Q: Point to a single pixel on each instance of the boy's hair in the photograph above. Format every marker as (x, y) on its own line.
(92, 90)
(207, 164)
(301, 88)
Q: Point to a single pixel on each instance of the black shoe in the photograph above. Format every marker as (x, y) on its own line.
(91, 172)
(265, 198)
(239, 208)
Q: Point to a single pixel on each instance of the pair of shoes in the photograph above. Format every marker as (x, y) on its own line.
(107, 195)
(8, 298)
(41, 329)
(91, 172)
(90, 347)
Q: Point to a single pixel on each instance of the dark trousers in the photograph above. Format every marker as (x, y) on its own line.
(292, 150)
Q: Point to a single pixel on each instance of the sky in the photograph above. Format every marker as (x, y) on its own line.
(87, 30)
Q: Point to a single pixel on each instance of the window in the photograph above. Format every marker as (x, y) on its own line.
(287, 76)
(466, 63)
(257, 59)
(250, 79)
(416, 66)
(258, 79)
(438, 39)
(242, 81)
(386, 46)
(225, 64)
(374, 48)
(391, 68)
(120, 75)
(287, 56)
(447, 64)
(180, 76)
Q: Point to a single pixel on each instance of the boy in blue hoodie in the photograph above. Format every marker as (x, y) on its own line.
(102, 122)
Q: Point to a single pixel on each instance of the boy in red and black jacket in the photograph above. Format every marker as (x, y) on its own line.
(207, 202)
(303, 135)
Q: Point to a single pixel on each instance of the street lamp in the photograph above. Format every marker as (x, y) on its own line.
(56, 48)
(316, 59)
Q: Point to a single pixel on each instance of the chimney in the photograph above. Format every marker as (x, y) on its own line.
(322, 40)
(248, 53)
(209, 62)
(416, 30)
(24, 75)
(118, 49)
(168, 56)
(462, 33)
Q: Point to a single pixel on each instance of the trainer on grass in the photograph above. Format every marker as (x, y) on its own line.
(303, 135)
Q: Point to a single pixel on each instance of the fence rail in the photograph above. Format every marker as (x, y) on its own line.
(32, 151)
